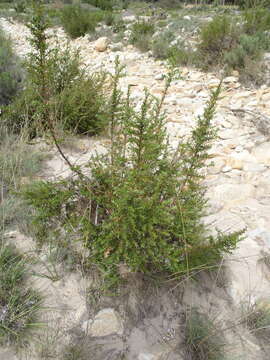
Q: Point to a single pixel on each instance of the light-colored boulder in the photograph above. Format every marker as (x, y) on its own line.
(106, 322)
(231, 193)
(102, 44)
(262, 153)
(225, 222)
(146, 356)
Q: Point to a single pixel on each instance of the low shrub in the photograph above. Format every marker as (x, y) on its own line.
(109, 18)
(82, 107)
(77, 21)
(141, 35)
(180, 55)
(256, 20)
(102, 4)
(10, 72)
(246, 57)
(19, 304)
(20, 6)
(58, 91)
(217, 37)
(118, 25)
(143, 203)
(161, 45)
(248, 48)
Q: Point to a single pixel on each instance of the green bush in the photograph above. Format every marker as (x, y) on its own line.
(141, 35)
(10, 72)
(251, 4)
(109, 18)
(179, 55)
(20, 6)
(118, 25)
(247, 49)
(247, 57)
(82, 107)
(161, 45)
(77, 21)
(256, 20)
(143, 203)
(58, 92)
(102, 4)
(217, 37)
(19, 304)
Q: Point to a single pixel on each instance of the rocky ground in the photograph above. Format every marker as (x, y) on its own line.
(145, 324)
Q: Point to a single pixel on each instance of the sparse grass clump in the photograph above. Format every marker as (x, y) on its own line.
(203, 338)
(257, 319)
(10, 71)
(19, 304)
(18, 160)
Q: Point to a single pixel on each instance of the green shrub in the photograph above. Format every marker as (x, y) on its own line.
(77, 21)
(58, 91)
(10, 72)
(102, 4)
(19, 304)
(82, 107)
(118, 25)
(143, 204)
(217, 37)
(179, 55)
(248, 48)
(161, 45)
(20, 6)
(246, 57)
(109, 18)
(141, 35)
(252, 4)
(256, 20)
(204, 340)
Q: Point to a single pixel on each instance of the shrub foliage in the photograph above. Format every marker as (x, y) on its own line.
(78, 21)
(10, 72)
(143, 203)
(58, 92)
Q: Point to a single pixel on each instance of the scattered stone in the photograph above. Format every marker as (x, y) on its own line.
(159, 77)
(106, 322)
(225, 222)
(230, 79)
(146, 356)
(116, 46)
(262, 153)
(231, 192)
(101, 44)
(235, 163)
